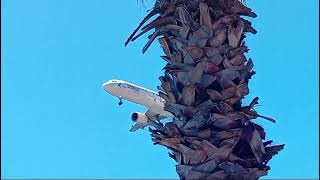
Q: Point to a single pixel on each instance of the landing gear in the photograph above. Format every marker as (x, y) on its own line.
(120, 101)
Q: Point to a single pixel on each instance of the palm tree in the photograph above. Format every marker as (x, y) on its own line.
(213, 135)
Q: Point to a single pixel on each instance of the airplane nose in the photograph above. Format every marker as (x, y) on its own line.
(112, 87)
(106, 86)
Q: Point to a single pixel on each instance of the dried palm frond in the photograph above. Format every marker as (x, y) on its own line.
(213, 135)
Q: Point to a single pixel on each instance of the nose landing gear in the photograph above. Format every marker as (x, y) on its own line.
(120, 101)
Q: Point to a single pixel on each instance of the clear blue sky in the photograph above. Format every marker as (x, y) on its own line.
(57, 121)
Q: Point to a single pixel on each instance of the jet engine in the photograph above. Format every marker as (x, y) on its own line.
(139, 118)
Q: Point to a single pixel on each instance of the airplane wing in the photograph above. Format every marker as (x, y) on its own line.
(153, 116)
(150, 114)
(135, 127)
(154, 119)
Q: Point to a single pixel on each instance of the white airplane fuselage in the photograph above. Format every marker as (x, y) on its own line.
(138, 95)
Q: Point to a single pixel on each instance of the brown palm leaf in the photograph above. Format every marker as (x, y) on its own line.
(213, 135)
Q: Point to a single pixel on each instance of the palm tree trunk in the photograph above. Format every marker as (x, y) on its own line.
(213, 136)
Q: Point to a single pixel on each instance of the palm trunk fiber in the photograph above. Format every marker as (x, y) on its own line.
(213, 136)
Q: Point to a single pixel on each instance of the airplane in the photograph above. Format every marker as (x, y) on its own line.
(139, 95)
